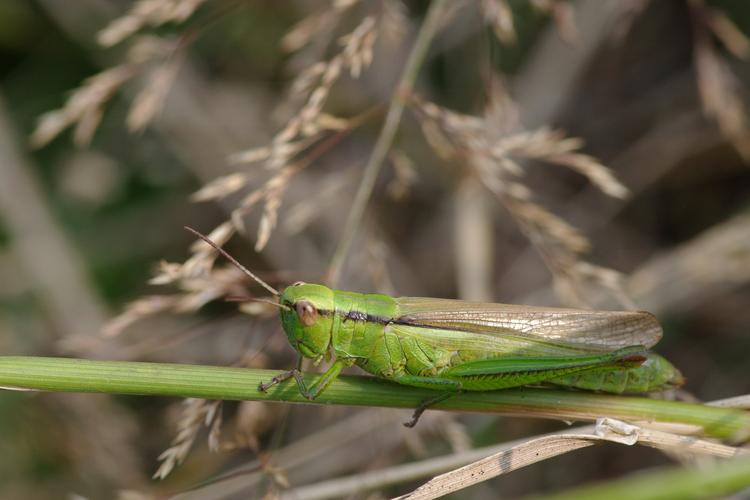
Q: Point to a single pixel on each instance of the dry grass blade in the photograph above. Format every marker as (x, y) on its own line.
(717, 85)
(730, 35)
(473, 241)
(330, 450)
(711, 263)
(742, 402)
(542, 448)
(521, 455)
(398, 474)
(718, 91)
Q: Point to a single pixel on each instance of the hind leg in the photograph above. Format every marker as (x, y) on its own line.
(451, 388)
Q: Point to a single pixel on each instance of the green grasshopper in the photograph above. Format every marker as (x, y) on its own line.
(454, 345)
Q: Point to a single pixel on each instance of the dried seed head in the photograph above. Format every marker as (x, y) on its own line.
(151, 98)
(221, 187)
(137, 310)
(314, 25)
(497, 14)
(495, 153)
(196, 413)
(406, 174)
(84, 107)
(395, 21)
(151, 13)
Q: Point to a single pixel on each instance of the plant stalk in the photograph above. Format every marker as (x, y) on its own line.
(715, 480)
(387, 134)
(214, 382)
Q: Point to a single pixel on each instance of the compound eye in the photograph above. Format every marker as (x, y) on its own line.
(298, 283)
(307, 313)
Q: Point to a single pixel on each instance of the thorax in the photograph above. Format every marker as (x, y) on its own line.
(358, 322)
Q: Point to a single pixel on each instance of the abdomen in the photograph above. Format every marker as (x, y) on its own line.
(656, 373)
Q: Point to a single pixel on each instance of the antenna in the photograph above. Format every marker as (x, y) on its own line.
(235, 298)
(234, 261)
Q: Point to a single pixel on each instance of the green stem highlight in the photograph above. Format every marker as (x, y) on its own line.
(213, 382)
(714, 481)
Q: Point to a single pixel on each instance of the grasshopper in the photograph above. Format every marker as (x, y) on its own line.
(453, 345)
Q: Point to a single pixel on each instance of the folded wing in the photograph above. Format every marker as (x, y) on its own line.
(529, 325)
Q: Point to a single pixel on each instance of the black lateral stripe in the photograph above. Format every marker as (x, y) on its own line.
(361, 316)
(358, 316)
(404, 320)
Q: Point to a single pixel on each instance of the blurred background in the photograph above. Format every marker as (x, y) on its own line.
(120, 122)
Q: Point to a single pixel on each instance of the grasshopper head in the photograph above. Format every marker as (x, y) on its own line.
(307, 318)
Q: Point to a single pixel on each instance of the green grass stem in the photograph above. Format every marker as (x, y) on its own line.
(714, 481)
(214, 382)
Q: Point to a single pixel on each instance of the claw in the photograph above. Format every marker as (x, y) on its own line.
(415, 417)
(411, 423)
(424, 405)
(309, 396)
